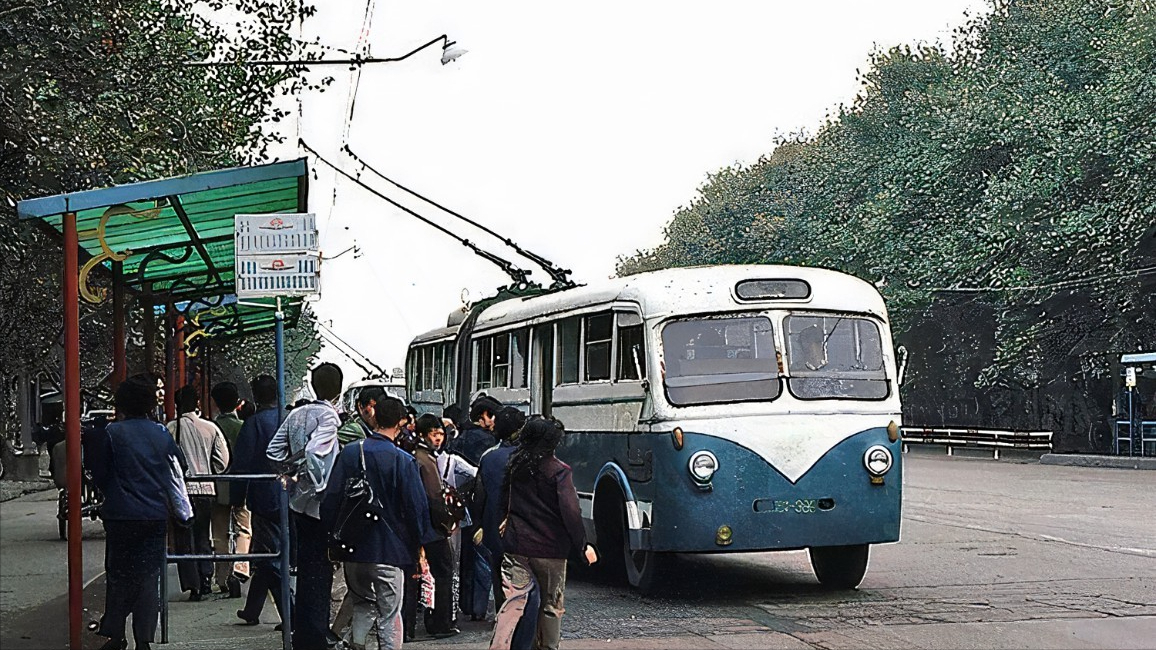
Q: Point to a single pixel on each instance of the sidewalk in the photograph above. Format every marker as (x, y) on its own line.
(1092, 460)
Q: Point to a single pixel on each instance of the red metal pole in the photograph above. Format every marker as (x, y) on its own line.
(72, 426)
(179, 334)
(170, 365)
(119, 363)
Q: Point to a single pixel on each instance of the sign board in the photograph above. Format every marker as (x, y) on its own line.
(275, 233)
(277, 255)
(289, 274)
(1130, 377)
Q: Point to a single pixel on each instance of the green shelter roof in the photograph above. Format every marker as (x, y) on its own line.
(174, 237)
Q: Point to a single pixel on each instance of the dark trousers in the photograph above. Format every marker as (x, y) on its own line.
(440, 557)
(474, 584)
(266, 574)
(196, 575)
(495, 549)
(314, 582)
(134, 556)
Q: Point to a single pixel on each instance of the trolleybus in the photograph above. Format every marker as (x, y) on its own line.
(707, 409)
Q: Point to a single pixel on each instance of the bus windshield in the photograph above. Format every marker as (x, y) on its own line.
(835, 357)
(720, 360)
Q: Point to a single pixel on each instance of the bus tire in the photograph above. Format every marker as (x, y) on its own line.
(642, 568)
(840, 567)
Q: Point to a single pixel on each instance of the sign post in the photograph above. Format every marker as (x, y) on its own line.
(277, 256)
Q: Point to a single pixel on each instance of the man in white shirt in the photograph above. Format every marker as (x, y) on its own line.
(308, 440)
(206, 452)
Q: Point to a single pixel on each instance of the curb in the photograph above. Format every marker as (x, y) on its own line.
(1109, 462)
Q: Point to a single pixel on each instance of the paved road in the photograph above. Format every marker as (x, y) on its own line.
(994, 555)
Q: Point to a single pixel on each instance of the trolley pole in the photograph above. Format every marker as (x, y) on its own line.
(279, 343)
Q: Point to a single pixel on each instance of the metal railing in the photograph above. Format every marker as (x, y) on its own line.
(283, 556)
(1122, 433)
(993, 439)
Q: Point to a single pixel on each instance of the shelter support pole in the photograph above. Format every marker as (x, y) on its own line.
(286, 599)
(170, 364)
(119, 362)
(279, 343)
(206, 355)
(71, 305)
(150, 330)
(179, 336)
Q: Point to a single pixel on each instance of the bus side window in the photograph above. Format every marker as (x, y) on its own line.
(630, 349)
(599, 339)
(483, 362)
(569, 344)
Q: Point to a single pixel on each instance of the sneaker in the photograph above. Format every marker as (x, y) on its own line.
(446, 633)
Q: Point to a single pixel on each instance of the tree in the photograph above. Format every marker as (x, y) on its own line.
(1014, 173)
(97, 92)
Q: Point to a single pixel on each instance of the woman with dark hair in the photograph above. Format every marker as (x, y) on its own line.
(138, 467)
(542, 527)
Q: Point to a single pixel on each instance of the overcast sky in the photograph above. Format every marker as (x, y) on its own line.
(576, 130)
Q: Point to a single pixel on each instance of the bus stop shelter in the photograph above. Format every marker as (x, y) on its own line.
(170, 244)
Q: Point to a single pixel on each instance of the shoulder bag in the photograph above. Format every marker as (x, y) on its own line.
(358, 512)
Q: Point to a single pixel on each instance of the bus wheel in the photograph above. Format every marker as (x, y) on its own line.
(840, 567)
(642, 568)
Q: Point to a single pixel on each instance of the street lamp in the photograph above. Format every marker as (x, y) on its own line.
(449, 53)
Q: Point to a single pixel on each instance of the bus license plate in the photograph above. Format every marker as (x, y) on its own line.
(779, 506)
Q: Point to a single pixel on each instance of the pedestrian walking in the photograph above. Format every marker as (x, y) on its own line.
(262, 498)
(444, 520)
(378, 550)
(206, 452)
(230, 523)
(488, 502)
(543, 526)
(472, 441)
(138, 467)
(307, 440)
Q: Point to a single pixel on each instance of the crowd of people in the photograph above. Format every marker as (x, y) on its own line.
(409, 521)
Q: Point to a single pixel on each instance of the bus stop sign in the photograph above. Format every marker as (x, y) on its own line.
(277, 255)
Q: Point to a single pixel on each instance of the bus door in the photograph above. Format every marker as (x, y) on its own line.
(542, 369)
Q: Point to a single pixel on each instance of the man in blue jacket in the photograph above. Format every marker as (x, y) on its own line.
(386, 547)
(262, 497)
(137, 466)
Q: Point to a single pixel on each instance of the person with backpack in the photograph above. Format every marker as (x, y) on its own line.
(445, 515)
(376, 511)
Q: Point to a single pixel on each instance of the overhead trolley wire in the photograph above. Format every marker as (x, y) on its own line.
(558, 275)
(337, 347)
(519, 275)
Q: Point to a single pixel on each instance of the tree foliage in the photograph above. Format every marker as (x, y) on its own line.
(95, 93)
(1014, 171)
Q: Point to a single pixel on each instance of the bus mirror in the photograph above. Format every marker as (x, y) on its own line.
(901, 356)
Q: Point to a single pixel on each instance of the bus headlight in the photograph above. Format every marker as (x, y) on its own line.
(877, 460)
(703, 465)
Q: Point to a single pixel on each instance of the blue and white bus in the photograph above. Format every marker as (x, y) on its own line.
(709, 409)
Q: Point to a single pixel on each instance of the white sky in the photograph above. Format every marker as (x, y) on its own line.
(575, 130)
